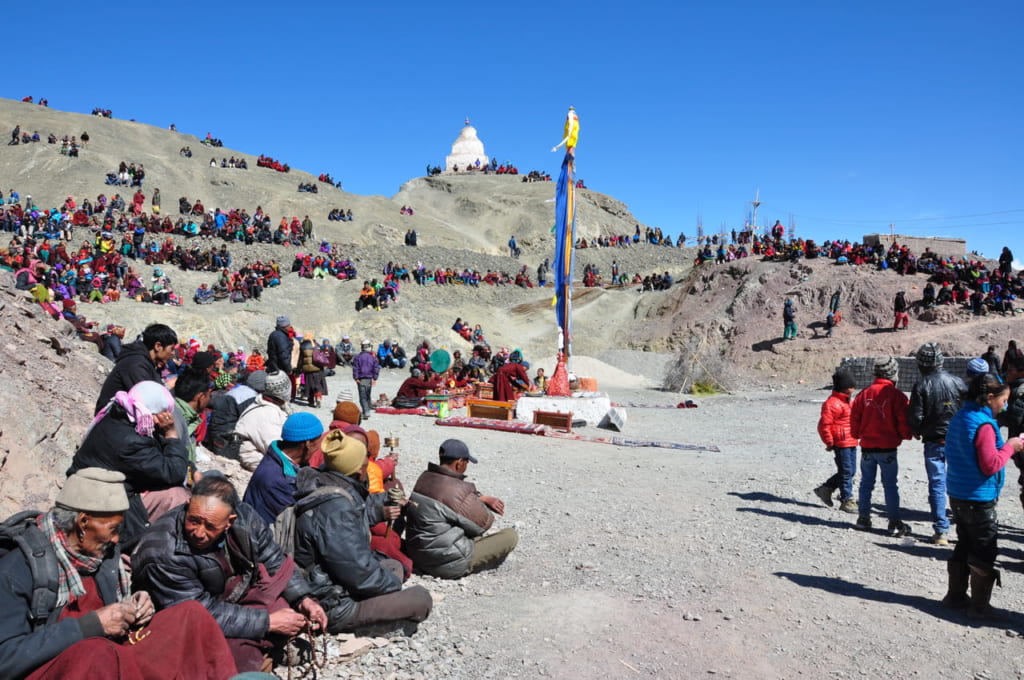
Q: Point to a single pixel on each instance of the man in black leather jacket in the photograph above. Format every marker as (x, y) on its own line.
(936, 397)
(218, 551)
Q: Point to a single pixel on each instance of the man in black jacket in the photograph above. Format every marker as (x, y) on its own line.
(139, 361)
(216, 550)
(333, 516)
(936, 397)
(279, 347)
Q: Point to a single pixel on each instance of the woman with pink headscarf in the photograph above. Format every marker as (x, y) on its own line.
(135, 434)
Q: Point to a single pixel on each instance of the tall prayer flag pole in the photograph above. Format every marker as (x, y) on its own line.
(565, 231)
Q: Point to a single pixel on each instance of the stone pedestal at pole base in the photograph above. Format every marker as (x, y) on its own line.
(591, 407)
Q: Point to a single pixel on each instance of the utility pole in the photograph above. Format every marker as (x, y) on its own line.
(757, 204)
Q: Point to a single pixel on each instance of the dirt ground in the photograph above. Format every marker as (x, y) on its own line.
(658, 563)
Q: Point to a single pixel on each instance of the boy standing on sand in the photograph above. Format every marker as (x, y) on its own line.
(834, 430)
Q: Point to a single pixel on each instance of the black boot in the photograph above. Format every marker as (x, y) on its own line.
(956, 594)
(982, 582)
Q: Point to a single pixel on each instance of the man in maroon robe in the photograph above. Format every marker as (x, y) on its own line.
(91, 623)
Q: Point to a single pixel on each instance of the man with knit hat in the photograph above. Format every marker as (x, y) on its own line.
(89, 618)
(272, 487)
(834, 430)
(446, 519)
(934, 401)
(878, 418)
(333, 515)
(260, 423)
(279, 347)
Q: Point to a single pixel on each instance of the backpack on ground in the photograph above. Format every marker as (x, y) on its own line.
(284, 524)
(20, 532)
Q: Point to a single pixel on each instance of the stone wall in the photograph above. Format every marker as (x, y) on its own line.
(863, 370)
(944, 247)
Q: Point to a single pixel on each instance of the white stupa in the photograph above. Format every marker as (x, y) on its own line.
(466, 151)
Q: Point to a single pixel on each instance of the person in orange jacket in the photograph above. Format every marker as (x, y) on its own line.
(834, 430)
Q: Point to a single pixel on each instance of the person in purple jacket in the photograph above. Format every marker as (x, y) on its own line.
(365, 370)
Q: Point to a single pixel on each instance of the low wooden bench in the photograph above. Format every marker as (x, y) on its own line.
(486, 408)
(555, 419)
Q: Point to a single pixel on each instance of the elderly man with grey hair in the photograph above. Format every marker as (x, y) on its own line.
(67, 600)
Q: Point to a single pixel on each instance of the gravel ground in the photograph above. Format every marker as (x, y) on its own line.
(671, 564)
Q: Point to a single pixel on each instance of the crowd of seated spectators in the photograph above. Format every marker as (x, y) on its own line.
(340, 215)
(326, 263)
(242, 285)
(210, 140)
(102, 113)
(308, 187)
(536, 176)
(96, 272)
(326, 177)
(268, 162)
(185, 151)
(239, 163)
(43, 101)
(406, 210)
(127, 175)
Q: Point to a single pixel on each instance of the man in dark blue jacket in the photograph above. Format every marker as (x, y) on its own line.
(272, 487)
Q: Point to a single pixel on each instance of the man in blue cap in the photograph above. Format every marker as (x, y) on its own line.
(272, 487)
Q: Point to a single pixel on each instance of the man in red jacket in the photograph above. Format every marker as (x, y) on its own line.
(834, 430)
(878, 418)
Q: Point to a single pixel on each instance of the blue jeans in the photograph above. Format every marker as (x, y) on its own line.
(846, 468)
(870, 463)
(935, 467)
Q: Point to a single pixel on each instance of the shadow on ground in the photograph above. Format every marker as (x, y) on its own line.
(1010, 621)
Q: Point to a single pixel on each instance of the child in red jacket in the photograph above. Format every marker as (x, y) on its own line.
(834, 430)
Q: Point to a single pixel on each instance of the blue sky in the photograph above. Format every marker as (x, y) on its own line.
(848, 116)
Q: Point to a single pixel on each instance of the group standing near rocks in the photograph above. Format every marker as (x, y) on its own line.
(965, 456)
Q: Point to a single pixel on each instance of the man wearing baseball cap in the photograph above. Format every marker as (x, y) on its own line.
(446, 519)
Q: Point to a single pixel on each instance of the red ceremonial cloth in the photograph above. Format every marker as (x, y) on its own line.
(182, 642)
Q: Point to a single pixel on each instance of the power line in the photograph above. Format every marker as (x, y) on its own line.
(840, 220)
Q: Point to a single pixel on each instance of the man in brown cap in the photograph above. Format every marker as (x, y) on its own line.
(67, 601)
(447, 518)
